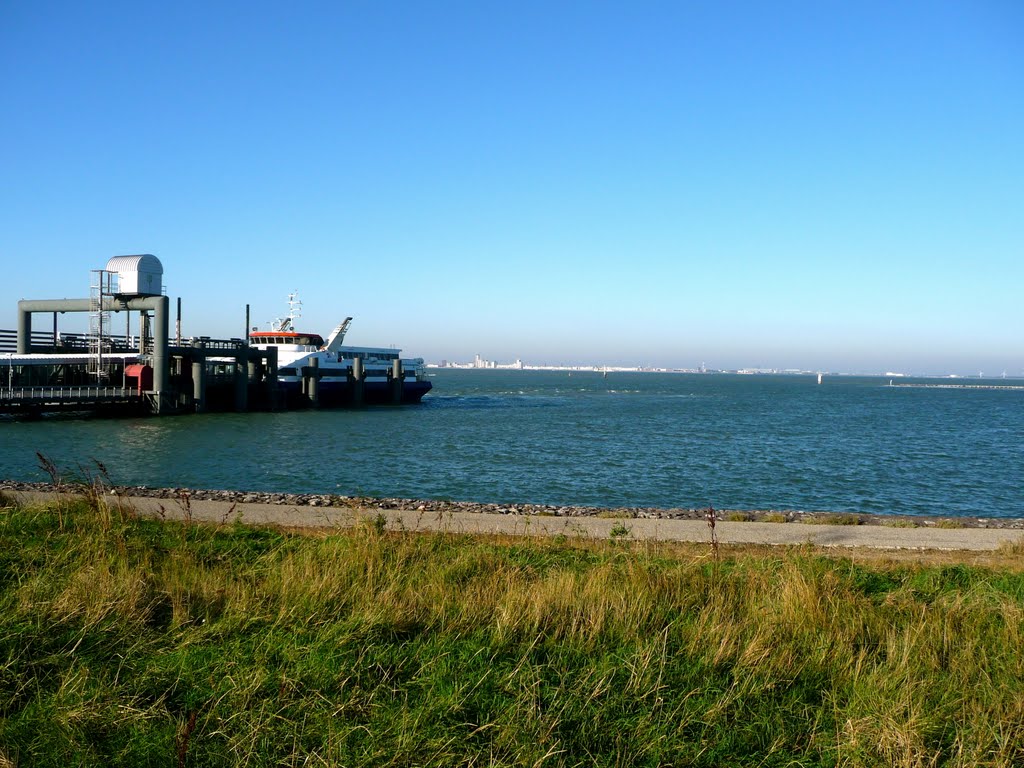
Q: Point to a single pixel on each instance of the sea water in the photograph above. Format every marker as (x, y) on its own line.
(628, 439)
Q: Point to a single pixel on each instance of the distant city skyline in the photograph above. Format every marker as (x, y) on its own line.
(481, 363)
(742, 184)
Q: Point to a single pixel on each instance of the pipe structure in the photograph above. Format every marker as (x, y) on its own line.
(143, 331)
(314, 381)
(241, 382)
(356, 379)
(159, 305)
(271, 378)
(161, 360)
(24, 348)
(199, 378)
(396, 382)
(255, 377)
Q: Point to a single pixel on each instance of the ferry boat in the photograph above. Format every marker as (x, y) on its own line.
(344, 375)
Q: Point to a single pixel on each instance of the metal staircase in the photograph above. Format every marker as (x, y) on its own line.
(103, 285)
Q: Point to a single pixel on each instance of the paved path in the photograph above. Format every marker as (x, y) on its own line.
(873, 536)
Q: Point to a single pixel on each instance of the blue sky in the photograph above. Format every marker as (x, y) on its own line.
(820, 185)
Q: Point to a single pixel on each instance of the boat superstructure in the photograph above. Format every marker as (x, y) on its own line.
(336, 373)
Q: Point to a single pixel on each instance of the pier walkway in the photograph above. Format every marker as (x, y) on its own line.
(70, 398)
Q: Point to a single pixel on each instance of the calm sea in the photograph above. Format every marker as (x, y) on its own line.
(663, 440)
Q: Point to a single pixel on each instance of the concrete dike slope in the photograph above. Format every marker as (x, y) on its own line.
(325, 512)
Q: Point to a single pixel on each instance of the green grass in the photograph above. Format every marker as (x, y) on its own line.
(134, 642)
(619, 530)
(613, 514)
(901, 523)
(831, 520)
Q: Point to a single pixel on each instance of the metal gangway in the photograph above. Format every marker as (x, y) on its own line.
(64, 398)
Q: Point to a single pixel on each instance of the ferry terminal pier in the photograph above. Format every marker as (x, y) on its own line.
(151, 372)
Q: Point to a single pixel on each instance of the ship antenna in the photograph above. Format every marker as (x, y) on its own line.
(294, 307)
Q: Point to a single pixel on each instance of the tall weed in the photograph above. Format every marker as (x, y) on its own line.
(178, 643)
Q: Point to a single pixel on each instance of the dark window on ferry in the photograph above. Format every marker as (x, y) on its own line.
(371, 355)
(287, 372)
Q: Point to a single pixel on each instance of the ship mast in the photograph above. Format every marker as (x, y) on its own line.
(294, 313)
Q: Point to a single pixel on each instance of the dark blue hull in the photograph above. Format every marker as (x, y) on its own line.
(342, 394)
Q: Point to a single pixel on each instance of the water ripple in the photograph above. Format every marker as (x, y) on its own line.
(631, 439)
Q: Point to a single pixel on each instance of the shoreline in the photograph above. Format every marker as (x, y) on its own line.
(446, 507)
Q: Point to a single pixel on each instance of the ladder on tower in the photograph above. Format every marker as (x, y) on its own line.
(102, 286)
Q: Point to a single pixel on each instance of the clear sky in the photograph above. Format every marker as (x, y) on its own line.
(815, 184)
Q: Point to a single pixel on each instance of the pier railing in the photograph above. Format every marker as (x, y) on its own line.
(67, 393)
(14, 397)
(78, 343)
(68, 343)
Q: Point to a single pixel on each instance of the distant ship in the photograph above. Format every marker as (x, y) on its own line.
(346, 375)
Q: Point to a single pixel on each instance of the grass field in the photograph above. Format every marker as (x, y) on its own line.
(141, 642)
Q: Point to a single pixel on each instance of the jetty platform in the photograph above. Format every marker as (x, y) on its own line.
(153, 370)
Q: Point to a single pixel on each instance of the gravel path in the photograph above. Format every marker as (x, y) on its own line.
(754, 527)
